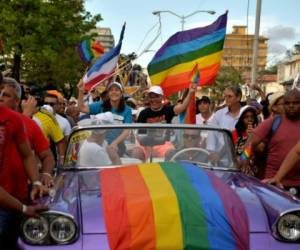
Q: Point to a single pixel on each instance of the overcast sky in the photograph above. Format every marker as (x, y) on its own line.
(280, 21)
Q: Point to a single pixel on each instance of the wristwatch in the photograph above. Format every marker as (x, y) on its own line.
(37, 183)
(24, 209)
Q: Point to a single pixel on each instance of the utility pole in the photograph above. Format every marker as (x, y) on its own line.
(255, 47)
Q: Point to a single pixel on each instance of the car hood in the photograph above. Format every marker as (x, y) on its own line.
(263, 203)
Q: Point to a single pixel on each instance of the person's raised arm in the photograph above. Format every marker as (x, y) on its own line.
(181, 107)
(81, 105)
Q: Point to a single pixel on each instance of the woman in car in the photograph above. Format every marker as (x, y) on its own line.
(114, 104)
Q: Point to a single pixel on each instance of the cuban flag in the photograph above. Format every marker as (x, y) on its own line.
(104, 66)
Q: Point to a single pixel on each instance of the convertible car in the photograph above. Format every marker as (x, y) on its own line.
(163, 187)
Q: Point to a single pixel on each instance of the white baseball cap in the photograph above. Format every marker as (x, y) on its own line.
(119, 85)
(156, 90)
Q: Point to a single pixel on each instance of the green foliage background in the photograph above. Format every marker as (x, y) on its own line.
(40, 39)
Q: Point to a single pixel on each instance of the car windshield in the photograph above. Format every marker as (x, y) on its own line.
(93, 146)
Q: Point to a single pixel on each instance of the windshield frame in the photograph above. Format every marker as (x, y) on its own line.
(76, 129)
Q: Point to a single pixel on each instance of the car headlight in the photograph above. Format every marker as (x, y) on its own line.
(288, 227)
(49, 229)
(62, 229)
(35, 229)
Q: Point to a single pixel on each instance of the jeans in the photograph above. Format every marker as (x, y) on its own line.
(9, 229)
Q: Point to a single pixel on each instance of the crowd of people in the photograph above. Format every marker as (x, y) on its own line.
(35, 126)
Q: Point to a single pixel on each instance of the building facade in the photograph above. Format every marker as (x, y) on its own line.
(238, 50)
(105, 37)
(288, 70)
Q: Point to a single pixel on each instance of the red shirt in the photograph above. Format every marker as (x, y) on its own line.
(284, 138)
(11, 133)
(38, 143)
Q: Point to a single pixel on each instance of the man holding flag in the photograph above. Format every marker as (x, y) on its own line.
(160, 113)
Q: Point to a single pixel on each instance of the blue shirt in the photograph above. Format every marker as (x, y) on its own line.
(97, 107)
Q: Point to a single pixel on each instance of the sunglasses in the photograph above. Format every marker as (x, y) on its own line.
(190, 137)
(50, 103)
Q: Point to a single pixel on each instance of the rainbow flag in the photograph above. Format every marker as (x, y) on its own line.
(196, 75)
(172, 65)
(171, 206)
(189, 116)
(88, 50)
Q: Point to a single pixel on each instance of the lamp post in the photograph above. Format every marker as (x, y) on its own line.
(158, 12)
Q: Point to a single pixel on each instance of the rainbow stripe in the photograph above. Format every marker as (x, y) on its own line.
(172, 65)
(196, 75)
(171, 206)
(245, 155)
(88, 50)
(189, 116)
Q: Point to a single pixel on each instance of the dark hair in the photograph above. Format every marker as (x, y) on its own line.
(240, 126)
(197, 108)
(265, 103)
(235, 89)
(107, 106)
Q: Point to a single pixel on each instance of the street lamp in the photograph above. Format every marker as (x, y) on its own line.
(157, 12)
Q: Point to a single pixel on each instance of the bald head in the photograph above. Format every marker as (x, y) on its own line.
(292, 104)
(294, 92)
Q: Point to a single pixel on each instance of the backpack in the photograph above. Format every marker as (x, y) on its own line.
(275, 125)
(261, 161)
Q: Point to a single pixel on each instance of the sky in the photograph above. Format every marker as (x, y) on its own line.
(280, 21)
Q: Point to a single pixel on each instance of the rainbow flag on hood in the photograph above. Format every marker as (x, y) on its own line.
(171, 206)
(172, 65)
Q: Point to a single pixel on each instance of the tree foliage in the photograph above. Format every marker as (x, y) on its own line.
(40, 38)
(294, 51)
(226, 76)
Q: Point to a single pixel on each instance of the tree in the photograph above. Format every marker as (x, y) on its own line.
(294, 51)
(226, 76)
(40, 38)
(297, 48)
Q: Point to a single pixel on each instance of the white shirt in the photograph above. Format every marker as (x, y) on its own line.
(92, 154)
(64, 124)
(200, 120)
(224, 119)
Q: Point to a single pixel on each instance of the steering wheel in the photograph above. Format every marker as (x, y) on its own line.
(185, 150)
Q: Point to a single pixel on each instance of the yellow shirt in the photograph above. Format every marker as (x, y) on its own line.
(49, 125)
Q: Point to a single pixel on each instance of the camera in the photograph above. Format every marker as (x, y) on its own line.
(35, 91)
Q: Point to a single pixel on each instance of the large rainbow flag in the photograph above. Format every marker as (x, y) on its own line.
(171, 206)
(172, 65)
